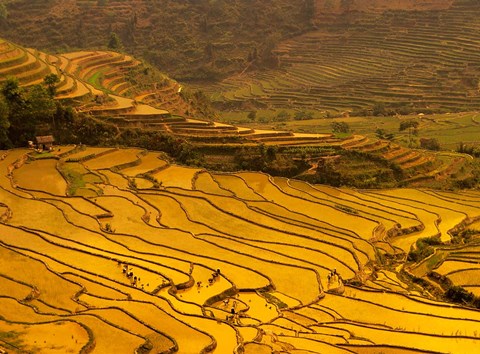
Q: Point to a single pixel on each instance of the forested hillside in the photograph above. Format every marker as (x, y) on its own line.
(193, 39)
(213, 37)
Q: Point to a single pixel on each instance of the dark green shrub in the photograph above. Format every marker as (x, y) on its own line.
(423, 248)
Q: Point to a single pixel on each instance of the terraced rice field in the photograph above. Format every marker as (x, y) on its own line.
(460, 265)
(100, 83)
(400, 58)
(104, 83)
(224, 263)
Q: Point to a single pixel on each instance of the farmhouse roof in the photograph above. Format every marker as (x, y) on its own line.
(45, 139)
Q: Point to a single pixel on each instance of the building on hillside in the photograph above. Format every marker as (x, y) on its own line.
(45, 142)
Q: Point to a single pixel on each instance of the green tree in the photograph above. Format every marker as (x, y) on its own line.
(252, 115)
(271, 153)
(327, 173)
(3, 11)
(412, 126)
(380, 133)
(283, 116)
(409, 124)
(269, 56)
(16, 104)
(114, 41)
(459, 295)
(309, 9)
(379, 109)
(62, 122)
(303, 115)
(429, 144)
(51, 81)
(12, 91)
(340, 127)
(26, 110)
(4, 124)
(40, 105)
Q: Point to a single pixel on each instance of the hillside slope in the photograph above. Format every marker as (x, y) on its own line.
(136, 103)
(338, 7)
(327, 55)
(187, 39)
(395, 61)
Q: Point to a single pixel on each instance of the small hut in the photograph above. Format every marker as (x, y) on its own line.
(45, 142)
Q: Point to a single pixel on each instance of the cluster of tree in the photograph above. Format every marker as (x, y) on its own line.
(26, 112)
(252, 115)
(424, 248)
(382, 134)
(303, 115)
(281, 116)
(328, 173)
(381, 109)
(430, 144)
(410, 124)
(375, 171)
(471, 149)
(268, 159)
(256, 158)
(23, 111)
(3, 11)
(200, 104)
(114, 42)
(472, 180)
(384, 109)
(340, 127)
(465, 236)
(459, 295)
(199, 40)
(269, 58)
(180, 149)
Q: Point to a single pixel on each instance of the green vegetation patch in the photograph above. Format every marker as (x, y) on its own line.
(356, 169)
(96, 79)
(465, 236)
(74, 174)
(462, 296)
(42, 155)
(274, 300)
(11, 338)
(424, 248)
(346, 209)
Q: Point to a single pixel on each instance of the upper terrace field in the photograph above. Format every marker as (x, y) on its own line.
(223, 263)
(126, 95)
(405, 55)
(402, 59)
